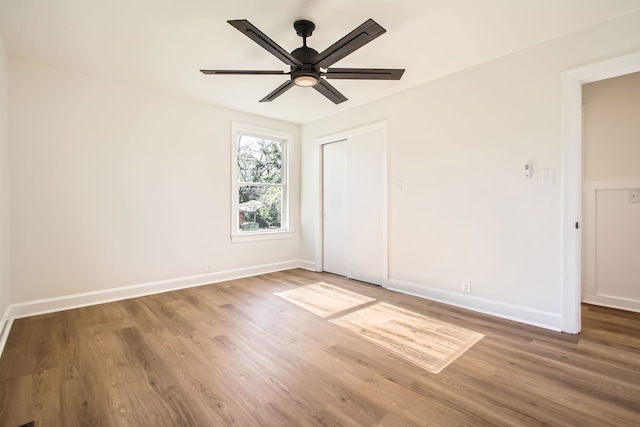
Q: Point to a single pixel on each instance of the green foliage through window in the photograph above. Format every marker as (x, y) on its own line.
(260, 183)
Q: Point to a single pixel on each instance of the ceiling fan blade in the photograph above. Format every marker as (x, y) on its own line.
(325, 88)
(279, 91)
(365, 73)
(243, 72)
(349, 43)
(249, 30)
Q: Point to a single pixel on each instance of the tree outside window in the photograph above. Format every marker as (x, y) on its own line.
(260, 183)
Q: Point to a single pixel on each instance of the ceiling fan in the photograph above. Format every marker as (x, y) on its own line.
(307, 64)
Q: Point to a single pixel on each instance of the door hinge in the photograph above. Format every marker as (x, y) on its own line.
(577, 225)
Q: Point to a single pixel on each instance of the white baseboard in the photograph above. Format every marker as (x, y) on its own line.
(613, 302)
(5, 327)
(308, 265)
(529, 316)
(66, 302)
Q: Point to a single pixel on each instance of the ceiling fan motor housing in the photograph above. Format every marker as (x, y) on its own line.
(308, 74)
(305, 54)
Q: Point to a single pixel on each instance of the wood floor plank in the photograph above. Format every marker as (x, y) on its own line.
(419, 399)
(427, 342)
(142, 316)
(234, 353)
(15, 412)
(324, 299)
(159, 379)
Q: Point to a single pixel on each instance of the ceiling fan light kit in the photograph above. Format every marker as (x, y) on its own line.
(306, 64)
(305, 80)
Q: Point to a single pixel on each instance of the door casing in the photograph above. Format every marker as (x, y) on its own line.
(572, 177)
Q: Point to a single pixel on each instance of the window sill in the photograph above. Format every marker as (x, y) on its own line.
(261, 235)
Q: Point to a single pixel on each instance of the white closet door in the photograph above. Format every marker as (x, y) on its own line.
(334, 196)
(365, 198)
(353, 187)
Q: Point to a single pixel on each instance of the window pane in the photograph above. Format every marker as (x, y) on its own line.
(260, 208)
(259, 160)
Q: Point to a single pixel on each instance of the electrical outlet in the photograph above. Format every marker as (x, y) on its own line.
(466, 287)
(208, 268)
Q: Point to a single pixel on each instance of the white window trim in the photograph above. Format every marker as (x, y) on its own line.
(250, 236)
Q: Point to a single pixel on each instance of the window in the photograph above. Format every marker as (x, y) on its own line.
(259, 177)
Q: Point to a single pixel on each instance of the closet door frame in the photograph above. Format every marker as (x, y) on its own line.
(374, 127)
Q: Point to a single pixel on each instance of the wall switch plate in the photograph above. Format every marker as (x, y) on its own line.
(526, 170)
(548, 176)
(466, 287)
(634, 195)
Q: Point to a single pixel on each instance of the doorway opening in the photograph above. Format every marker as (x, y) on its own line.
(611, 193)
(572, 179)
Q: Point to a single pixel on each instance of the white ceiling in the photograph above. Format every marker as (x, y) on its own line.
(163, 43)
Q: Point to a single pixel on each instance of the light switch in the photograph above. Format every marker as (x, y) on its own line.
(526, 170)
(548, 176)
(634, 195)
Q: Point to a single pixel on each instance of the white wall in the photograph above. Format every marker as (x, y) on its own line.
(611, 156)
(115, 185)
(4, 184)
(465, 211)
(611, 129)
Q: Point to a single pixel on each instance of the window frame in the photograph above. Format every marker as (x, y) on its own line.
(286, 139)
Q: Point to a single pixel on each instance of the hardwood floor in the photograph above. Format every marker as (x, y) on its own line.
(233, 353)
